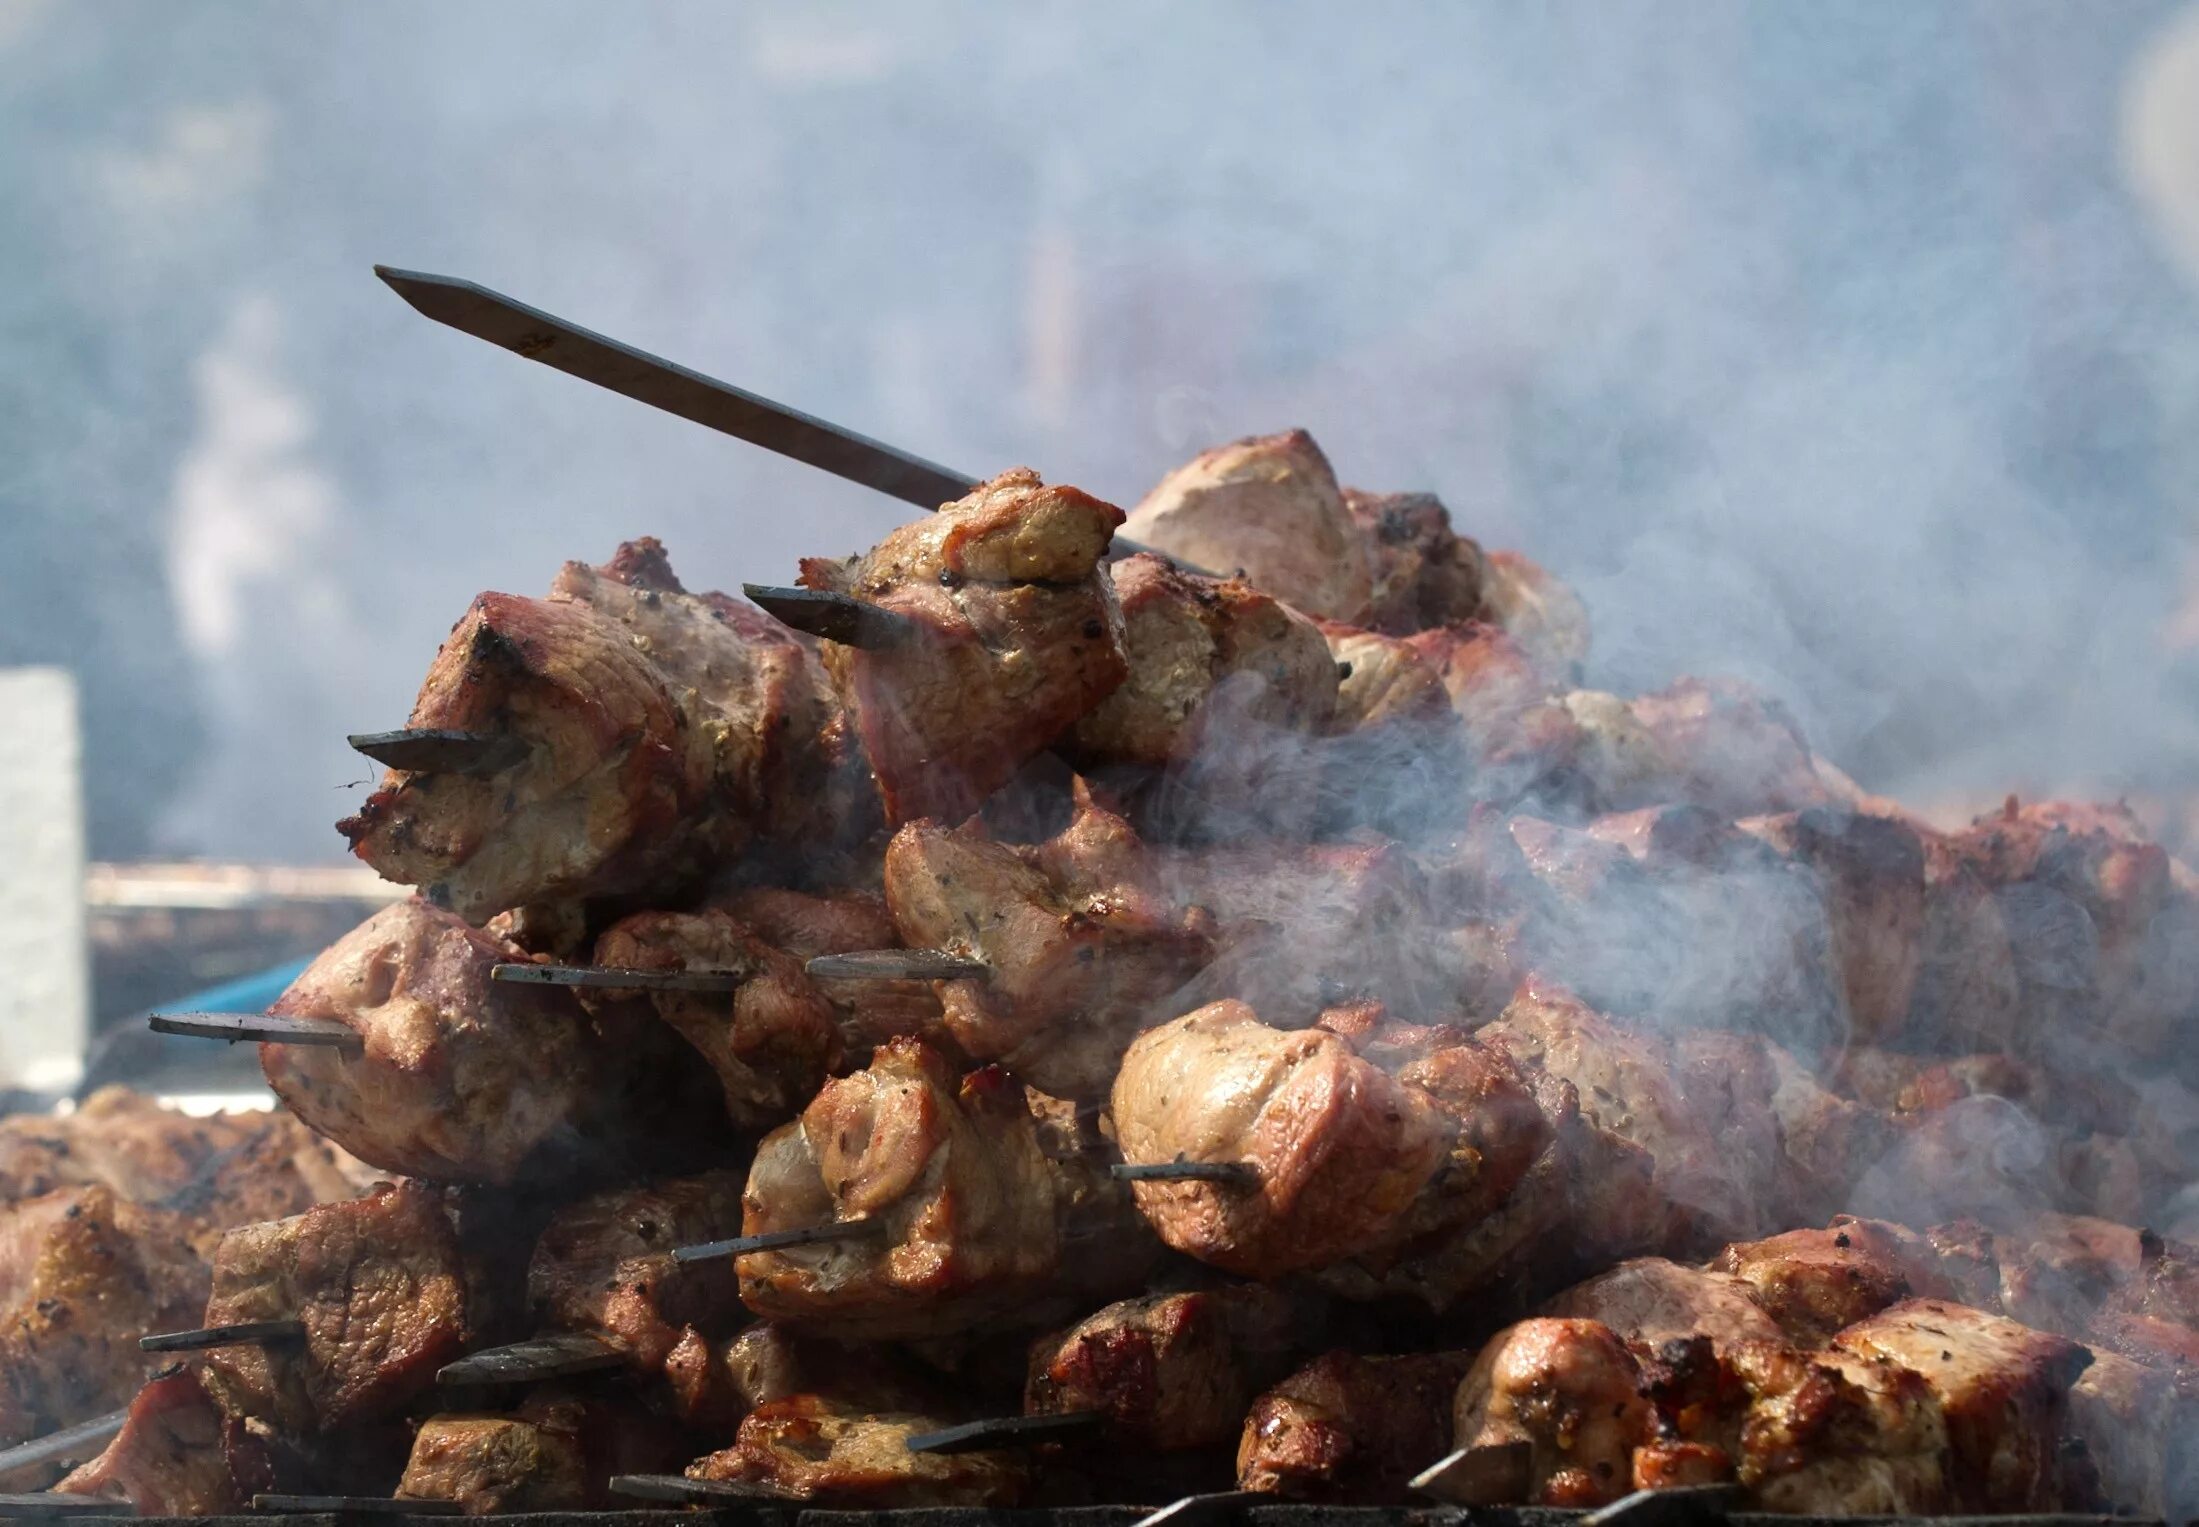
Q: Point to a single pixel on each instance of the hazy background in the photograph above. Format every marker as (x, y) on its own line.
(1854, 349)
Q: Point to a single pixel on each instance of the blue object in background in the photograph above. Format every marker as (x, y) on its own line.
(246, 994)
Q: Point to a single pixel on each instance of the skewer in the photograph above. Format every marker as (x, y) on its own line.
(1008, 1431)
(62, 1443)
(353, 1505)
(245, 1333)
(696, 1492)
(49, 1503)
(440, 750)
(267, 1028)
(1237, 1174)
(1495, 1474)
(1681, 1503)
(474, 309)
(540, 1357)
(529, 974)
(897, 965)
(772, 1240)
(1191, 1507)
(835, 617)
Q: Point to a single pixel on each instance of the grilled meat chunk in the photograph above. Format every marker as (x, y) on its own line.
(1350, 1429)
(379, 1283)
(665, 732)
(1649, 1301)
(1520, 738)
(832, 1453)
(1018, 637)
(176, 1455)
(771, 1042)
(844, 922)
(556, 1452)
(1815, 1283)
(977, 1223)
(1080, 940)
(1713, 742)
(462, 1079)
(1269, 509)
(1204, 650)
(83, 1274)
(1424, 573)
(2002, 1388)
(1830, 1433)
(1538, 610)
(604, 1264)
(2138, 1426)
(1872, 869)
(1572, 1392)
(1386, 681)
(1169, 1371)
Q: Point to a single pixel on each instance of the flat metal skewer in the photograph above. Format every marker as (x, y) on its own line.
(1008, 1431)
(896, 965)
(63, 1443)
(245, 1333)
(696, 1492)
(1495, 1474)
(526, 973)
(440, 750)
(541, 1357)
(1192, 1507)
(1680, 1503)
(527, 331)
(835, 617)
(267, 1028)
(354, 1505)
(1238, 1174)
(773, 1240)
(53, 1503)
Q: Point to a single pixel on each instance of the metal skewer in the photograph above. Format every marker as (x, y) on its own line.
(474, 309)
(1179, 1513)
(354, 1505)
(52, 1503)
(267, 1028)
(440, 750)
(63, 1443)
(1008, 1431)
(529, 974)
(773, 1240)
(245, 1333)
(835, 617)
(896, 965)
(541, 1357)
(696, 1492)
(1680, 1503)
(1237, 1174)
(1495, 1474)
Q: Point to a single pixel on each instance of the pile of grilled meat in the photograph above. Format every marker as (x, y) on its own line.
(1605, 1086)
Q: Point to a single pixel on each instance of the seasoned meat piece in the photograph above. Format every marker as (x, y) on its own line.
(1267, 508)
(1201, 649)
(1816, 1282)
(1571, 1391)
(1834, 1434)
(2138, 1426)
(665, 731)
(1649, 1301)
(1715, 742)
(1081, 942)
(2071, 1273)
(1342, 1150)
(1539, 611)
(820, 1449)
(1966, 991)
(1169, 1370)
(1385, 681)
(378, 1282)
(771, 1042)
(1872, 869)
(979, 1224)
(2002, 1387)
(83, 1274)
(844, 922)
(176, 1455)
(1424, 573)
(535, 1459)
(1519, 735)
(604, 1264)
(1831, 1143)
(462, 1079)
(1350, 1429)
(1018, 637)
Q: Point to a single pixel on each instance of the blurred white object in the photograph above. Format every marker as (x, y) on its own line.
(44, 992)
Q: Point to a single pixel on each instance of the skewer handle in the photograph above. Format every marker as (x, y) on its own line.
(440, 750)
(244, 1333)
(772, 1240)
(523, 1362)
(267, 1028)
(527, 973)
(1008, 1431)
(1236, 1174)
(896, 965)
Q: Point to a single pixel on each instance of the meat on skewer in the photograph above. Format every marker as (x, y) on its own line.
(834, 1453)
(461, 1078)
(666, 732)
(1021, 637)
(1349, 1428)
(986, 1211)
(177, 1455)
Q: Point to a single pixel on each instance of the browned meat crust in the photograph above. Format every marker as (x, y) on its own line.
(1423, 572)
(1349, 1428)
(838, 1454)
(176, 1455)
(1019, 636)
